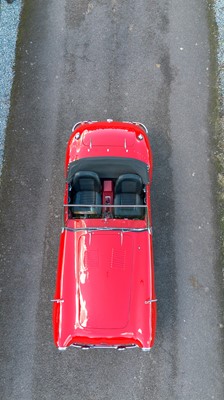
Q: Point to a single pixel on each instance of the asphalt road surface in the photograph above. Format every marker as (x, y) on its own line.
(145, 60)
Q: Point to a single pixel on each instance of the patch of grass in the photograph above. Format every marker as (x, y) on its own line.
(219, 163)
(216, 122)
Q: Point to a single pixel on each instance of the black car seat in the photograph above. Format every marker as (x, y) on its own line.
(86, 189)
(129, 191)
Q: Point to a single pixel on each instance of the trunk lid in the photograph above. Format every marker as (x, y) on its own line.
(104, 277)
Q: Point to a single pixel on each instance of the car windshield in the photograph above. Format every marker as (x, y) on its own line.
(126, 217)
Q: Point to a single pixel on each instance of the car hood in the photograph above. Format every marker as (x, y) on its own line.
(104, 266)
(104, 282)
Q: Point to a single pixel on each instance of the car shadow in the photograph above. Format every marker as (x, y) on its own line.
(163, 214)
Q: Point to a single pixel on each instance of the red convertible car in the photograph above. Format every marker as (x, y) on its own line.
(105, 294)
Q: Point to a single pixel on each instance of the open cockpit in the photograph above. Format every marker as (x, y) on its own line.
(115, 189)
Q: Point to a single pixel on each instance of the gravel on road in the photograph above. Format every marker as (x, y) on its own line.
(9, 21)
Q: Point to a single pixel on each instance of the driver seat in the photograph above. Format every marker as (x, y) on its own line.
(86, 189)
(129, 191)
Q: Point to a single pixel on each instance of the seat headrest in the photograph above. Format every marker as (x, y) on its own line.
(85, 181)
(129, 183)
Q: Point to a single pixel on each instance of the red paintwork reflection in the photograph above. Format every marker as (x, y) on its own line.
(104, 275)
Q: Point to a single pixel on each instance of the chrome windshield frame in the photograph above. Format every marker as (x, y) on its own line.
(105, 218)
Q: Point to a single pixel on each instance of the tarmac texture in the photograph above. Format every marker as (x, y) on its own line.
(147, 61)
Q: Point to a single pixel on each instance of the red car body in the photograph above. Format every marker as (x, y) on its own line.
(105, 294)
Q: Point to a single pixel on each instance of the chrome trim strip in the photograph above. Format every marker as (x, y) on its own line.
(107, 205)
(142, 126)
(111, 120)
(89, 228)
(57, 301)
(82, 122)
(151, 301)
(76, 125)
(92, 347)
